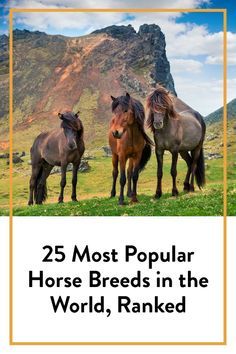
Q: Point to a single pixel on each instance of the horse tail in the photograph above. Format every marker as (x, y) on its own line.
(147, 139)
(146, 154)
(200, 170)
(40, 190)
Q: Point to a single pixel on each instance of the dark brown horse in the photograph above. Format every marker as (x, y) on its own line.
(128, 141)
(58, 147)
(178, 129)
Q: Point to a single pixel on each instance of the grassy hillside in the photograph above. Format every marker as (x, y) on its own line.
(217, 116)
(94, 188)
(206, 203)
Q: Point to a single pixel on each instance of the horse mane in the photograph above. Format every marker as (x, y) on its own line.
(80, 133)
(70, 121)
(159, 98)
(125, 103)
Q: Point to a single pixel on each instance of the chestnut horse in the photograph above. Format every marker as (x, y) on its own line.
(58, 147)
(128, 141)
(178, 129)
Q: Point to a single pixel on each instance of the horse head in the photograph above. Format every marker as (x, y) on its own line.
(160, 107)
(123, 115)
(72, 126)
(158, 118)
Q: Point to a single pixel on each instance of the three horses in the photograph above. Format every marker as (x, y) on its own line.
(176, 127)
(58, 147)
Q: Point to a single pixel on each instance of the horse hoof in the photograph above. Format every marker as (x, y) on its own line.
(30, 203)
(158, 195)
(134, 200)
(186, 187)
(175, 193)
(112, 195)
(191, 188)
(121, 202)
(60, 201)
(74, 199)
(129, 194)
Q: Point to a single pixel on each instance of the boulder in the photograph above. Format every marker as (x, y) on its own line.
(20, 154)
(87, 156)
(228, 144)
(211, 137)
(133, 84)
(16, 159)
(4, 156)
(83, 167)
(107, 151)
(213, 155)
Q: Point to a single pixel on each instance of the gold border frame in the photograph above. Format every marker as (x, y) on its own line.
(224, 12)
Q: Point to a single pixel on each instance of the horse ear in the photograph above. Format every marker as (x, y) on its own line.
(77, 114)
(60, 115)
(113, 98)
(127, 95)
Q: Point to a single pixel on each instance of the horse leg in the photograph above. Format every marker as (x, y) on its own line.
(173, 172)
(195, 155)
(129, 175)
(33, 178)
(122, 179)
(74, 181)
(135, 179)
(41, 189)
(159, 156)
(63, 182)
(187, 158)
(114, 174)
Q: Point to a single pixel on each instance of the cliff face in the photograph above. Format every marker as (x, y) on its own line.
(155, 47)
(4, 68)
(54, 73)
(144, 51)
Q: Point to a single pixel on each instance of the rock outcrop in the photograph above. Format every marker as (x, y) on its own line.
(144, 49)
(120, 32)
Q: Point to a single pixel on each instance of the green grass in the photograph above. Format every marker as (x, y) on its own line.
(198, 204)
(97, 182)
(94, 188)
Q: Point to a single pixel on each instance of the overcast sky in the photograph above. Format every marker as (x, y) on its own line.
(194, 41)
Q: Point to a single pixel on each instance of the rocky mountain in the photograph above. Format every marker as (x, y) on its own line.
(4, 65)
(4, 54)
(217, 116)
(54, 73)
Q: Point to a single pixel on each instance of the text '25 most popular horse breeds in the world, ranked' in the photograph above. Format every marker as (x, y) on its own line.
(176, 127)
